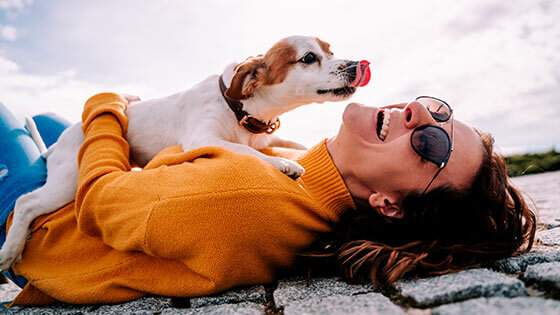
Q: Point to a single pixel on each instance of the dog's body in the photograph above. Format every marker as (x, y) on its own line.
(287, 76)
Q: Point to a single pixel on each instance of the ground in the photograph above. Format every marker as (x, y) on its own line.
(527, 284)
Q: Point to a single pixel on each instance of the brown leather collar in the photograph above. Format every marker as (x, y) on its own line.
(247, 121)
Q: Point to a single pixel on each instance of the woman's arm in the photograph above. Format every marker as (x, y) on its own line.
(111, 202)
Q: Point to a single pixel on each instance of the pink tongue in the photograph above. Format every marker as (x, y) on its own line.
(363, 74)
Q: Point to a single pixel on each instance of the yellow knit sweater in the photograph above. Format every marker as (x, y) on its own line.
(189, 224)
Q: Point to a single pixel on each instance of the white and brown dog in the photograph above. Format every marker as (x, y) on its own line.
(297, 70)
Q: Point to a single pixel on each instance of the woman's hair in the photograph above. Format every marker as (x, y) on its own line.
(444, 230)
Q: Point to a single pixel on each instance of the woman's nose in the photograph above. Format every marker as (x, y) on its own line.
(416, 114)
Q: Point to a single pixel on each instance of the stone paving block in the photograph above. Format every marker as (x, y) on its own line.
(549, 223)
(539, 254)
(547, 276)
(370, 303)
(545, 272)
(549, 237)
(56, 309)
(144, 305)
(256, 294)
(501, 305)
(459, 286)
(224, 309)
(8, 291)
(291, 290)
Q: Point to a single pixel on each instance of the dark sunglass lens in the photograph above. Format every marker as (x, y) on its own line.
(432, 143)
(440, 116)
(439, 110)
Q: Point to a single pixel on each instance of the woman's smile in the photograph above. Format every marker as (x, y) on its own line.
(383, 121)
(371, 124)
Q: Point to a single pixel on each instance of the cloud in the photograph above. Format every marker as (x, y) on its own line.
(62, 92)
(15, 4)
(12, 9)
(7, 67)
(8, 33)
(481, 17)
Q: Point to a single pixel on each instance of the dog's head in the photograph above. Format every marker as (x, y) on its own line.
(298, 70)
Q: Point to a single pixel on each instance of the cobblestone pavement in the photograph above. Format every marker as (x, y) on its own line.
(528, 284)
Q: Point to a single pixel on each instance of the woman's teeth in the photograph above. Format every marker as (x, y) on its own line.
(385, 127)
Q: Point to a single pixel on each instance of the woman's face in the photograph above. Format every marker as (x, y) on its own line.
(382, 171)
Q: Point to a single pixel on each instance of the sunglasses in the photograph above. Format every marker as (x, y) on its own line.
(432, 142)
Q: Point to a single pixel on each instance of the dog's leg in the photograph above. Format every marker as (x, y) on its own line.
(59, 190)
(286, 166)
(283, 143)
(53, 195)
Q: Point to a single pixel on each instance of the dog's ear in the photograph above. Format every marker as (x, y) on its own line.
(246, 78)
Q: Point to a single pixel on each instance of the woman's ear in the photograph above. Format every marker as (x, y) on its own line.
(246, 78)
(385, 205)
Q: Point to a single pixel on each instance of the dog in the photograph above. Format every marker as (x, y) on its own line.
(240, 116)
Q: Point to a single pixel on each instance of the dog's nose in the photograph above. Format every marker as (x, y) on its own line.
(347, 65)
(350, 67)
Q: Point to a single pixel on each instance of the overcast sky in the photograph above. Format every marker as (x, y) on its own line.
(497, 63)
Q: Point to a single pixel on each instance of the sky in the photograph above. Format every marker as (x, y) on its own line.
(497, 63)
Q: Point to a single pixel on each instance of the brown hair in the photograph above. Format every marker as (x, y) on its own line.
(441, 231)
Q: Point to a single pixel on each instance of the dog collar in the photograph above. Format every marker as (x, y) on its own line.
(246, 120)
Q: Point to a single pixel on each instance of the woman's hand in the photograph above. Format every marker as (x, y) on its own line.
(130, 98)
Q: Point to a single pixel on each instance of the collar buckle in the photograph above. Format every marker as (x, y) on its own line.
(254, 125)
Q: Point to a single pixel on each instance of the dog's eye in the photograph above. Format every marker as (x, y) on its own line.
(308, 58)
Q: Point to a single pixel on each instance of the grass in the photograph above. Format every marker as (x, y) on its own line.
(532, 163)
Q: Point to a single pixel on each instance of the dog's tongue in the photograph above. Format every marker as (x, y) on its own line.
(363, 74)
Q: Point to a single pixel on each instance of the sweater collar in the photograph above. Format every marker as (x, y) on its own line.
(323, 181)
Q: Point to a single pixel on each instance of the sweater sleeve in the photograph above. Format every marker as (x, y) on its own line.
(112, 202)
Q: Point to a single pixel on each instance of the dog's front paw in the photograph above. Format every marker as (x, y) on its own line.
(288, 167)
(8, 258)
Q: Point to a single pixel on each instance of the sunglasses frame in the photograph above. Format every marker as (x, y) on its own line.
(440, 164)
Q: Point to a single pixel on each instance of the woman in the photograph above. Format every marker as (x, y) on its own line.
(470, 215)
(199, 222)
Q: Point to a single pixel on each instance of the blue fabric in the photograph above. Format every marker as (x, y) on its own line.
(50, 127)
(22, 169)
